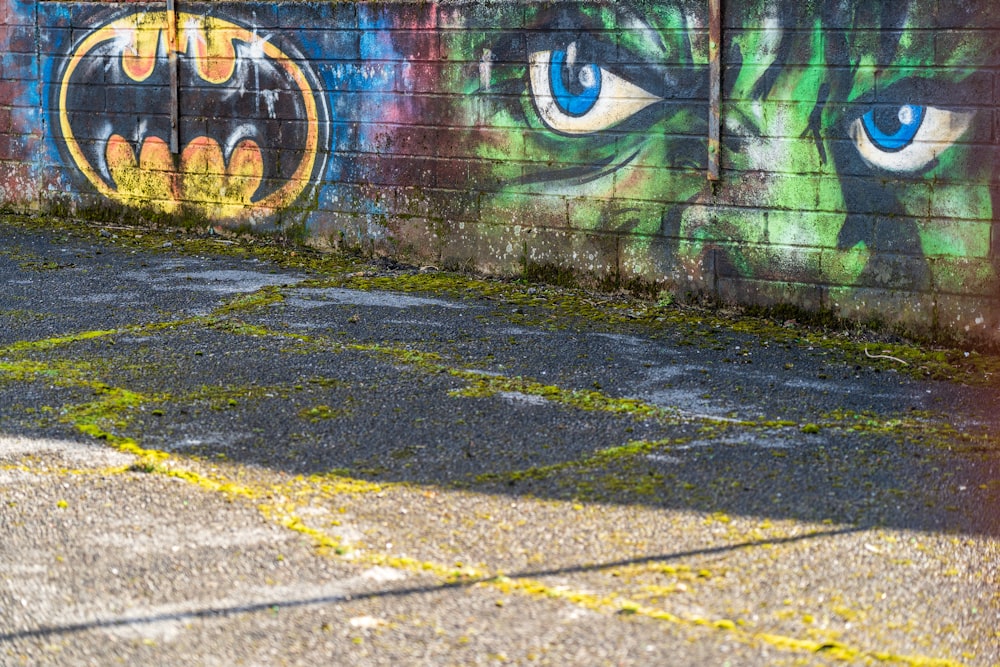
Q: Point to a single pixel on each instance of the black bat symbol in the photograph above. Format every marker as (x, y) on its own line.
(246, 111)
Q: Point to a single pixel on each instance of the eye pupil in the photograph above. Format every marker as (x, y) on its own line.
(893, 129)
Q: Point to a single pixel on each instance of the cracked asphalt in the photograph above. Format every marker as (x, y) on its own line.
(211, 455)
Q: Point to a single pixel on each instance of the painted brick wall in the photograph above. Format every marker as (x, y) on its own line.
(858, 166)
(20, 129)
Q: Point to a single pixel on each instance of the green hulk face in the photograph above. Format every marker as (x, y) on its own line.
(594, 116)
(859, 157)
(862, 153)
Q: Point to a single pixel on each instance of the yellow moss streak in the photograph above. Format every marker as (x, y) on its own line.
(280, 503)
(210, 483)
(45, 344)
(601, 603)
(262, 298)
(31, 370)
(57, 341)
(481, 385)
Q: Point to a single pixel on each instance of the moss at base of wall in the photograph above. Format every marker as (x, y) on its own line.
(566, 142)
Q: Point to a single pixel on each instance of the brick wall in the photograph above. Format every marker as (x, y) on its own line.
(857, 166)
(20, 131)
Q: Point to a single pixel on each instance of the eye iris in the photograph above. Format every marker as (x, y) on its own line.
(575, 95)
(893, 129)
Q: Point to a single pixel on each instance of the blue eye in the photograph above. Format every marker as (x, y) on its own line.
(575, 100)
(893, 129)
(575, 97)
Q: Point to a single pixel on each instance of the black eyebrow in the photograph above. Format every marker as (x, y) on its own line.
(797, 27)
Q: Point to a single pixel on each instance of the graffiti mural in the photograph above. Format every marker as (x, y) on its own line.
(857, 144)
(871, 138)
(21, 128)
(604, 112)
(251, 124)
(858, 156)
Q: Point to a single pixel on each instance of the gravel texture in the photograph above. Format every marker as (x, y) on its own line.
(212, 458)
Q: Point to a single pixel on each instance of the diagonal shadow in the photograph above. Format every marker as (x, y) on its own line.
(210, 612)
(381, 391)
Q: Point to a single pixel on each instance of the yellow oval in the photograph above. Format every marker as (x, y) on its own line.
(154, 179)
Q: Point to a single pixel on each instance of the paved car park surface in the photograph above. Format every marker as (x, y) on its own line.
(210, 455)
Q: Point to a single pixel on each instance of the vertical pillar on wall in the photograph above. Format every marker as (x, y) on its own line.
(172, 66)
(714, 85)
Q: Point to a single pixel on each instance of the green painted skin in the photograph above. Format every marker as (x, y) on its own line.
(811, 175)
(806, 196)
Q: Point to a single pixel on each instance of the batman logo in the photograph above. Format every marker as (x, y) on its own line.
(250, 125)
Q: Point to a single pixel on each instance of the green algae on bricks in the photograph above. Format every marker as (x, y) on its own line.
(973, 367)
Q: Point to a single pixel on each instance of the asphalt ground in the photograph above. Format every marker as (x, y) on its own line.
(219, 452)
